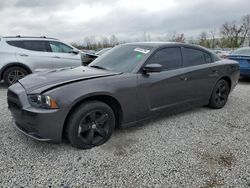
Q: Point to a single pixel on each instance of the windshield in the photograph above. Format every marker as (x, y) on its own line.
(242, 51)
(123, 58)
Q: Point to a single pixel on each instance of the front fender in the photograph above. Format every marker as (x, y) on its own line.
(121, 89)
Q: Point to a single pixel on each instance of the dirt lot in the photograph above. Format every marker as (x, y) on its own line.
(199, 148)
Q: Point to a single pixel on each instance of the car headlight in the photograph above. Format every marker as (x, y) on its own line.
(42, 101)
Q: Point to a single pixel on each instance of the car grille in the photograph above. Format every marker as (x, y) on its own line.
(13, 101)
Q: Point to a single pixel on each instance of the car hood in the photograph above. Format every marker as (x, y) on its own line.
(50, 79)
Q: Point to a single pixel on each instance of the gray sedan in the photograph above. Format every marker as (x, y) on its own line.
(128, 84)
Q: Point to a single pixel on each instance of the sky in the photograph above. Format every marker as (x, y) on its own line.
(128, 20)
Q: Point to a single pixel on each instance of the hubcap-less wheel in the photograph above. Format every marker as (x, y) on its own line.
(90, 124)
(93, 127)
(15, 75)
(220, 94)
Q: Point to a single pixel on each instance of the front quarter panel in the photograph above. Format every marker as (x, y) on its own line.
(120, 87)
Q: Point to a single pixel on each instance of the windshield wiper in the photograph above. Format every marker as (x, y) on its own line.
(98, 67)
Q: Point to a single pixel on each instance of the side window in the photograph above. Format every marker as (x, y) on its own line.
(193, 57)
(58, 47)
(215, 57)
(15, 43)
(41, 46)
(207, 58)
(169, 58)
(35, 45)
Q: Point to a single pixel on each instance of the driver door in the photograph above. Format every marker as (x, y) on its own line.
(163, 89)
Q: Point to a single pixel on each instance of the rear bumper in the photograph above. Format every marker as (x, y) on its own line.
(40, 124)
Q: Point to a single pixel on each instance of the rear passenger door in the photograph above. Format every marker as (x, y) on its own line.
(200, 74)
(64, 57)
(34, 53)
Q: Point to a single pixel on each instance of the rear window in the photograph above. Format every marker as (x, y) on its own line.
(34, 45)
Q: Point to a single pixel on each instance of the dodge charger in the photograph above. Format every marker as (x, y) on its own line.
(128, 84)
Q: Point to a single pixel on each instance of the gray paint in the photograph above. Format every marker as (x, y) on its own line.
(139, 95)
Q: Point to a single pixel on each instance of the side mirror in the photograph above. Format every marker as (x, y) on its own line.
(152, 68)
(75, 51)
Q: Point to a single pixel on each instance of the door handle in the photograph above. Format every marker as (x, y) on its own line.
(215, 71)
(184, 78)
(23, 55)
(56, 57)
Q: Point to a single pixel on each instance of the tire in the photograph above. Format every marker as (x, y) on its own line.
(220, 94)
(13, 74)
(91, 124)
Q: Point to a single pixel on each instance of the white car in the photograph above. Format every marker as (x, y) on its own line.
(222, 53)
(20, 56)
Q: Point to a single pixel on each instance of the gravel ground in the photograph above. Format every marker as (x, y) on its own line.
(198, 148)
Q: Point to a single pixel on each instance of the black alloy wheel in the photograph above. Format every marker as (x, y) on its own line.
(220, 94)
(91, 124)
(93, 127)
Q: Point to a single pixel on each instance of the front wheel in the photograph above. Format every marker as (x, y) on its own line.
(91, 124)
(220, 95)
(13, 74)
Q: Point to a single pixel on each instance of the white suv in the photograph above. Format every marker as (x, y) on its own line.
(20, 56)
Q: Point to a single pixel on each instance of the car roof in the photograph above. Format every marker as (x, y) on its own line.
(19, 37)
(166, 44)
(162, 44)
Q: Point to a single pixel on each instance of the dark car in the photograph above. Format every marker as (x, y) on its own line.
(242, 55)
(128, 84)
(102, 51)
(87, 58)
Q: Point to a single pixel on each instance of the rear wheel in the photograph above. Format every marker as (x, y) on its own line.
(220, 95)
(13, 74)
(90, 125)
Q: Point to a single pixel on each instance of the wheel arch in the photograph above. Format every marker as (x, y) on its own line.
(107, 99)
(228, 80)
(14, 64)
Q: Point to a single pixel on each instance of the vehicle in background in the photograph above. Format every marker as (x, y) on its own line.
(222, 53)
(130, 83)
(21, 55)
(242, 55)
(88, 51)
(102, 51)
(87, 58)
